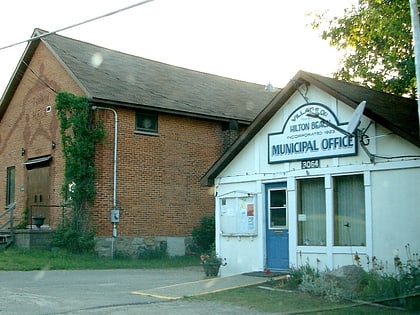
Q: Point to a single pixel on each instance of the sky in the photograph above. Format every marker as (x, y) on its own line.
(258, 41)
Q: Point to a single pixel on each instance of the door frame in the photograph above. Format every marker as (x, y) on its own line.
(282, 232)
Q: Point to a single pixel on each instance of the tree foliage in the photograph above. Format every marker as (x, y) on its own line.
(376, 39)
(79, 137)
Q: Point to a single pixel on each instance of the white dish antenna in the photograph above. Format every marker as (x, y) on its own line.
(355, 118)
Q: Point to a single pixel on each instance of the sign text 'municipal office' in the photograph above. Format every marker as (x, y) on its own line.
(304, 137)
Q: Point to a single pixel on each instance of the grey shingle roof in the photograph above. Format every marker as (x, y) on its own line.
(398, 114)
(134, 81)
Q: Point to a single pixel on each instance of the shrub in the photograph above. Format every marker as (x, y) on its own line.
(401, 288)
(204, 234)
(74, 241)
(298, 274)
(154, 252)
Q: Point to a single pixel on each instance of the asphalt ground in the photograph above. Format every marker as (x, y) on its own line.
(134, 291)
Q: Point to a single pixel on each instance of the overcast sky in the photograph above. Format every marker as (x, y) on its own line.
(258, 41)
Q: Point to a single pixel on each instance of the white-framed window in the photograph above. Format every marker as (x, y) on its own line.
(348, 213)
(311, 214)
(349, 210)
(277, 214)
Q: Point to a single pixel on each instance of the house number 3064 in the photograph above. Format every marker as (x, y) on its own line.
(310, 164)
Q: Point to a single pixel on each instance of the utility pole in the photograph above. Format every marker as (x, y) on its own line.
(414, 10)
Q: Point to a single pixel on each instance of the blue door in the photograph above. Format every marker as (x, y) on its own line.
(277, 232)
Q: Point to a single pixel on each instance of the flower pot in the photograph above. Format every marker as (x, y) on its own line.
(211, 269)
(38, 220)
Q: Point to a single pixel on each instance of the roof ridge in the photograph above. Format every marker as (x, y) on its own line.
(147, 59)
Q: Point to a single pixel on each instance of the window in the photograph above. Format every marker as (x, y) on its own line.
(311, 212)
(349, 211)
(10, 185)
(147, 121)
(277, 213)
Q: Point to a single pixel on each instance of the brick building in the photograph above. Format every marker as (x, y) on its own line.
(173, 124)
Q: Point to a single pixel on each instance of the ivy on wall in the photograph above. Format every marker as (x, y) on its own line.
(79, 135)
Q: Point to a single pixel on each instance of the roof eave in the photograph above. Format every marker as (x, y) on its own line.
(353, 103)
(17, 76)
(276, 103)
(258, 123)
(99, 100)
(68, 70)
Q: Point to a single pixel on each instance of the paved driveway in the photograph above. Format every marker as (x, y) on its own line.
(114, 292)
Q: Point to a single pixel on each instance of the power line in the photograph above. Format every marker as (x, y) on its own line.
(39, 78)
(77, 24)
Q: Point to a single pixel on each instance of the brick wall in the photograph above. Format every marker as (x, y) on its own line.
(158, 186)
(159, 191)
(27, 124)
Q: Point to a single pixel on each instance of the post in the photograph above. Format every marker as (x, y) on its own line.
(416, 38)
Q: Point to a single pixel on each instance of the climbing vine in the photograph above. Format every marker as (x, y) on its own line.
(79, 135)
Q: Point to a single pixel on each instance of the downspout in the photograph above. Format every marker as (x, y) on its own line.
(114, 198)
(115, 215)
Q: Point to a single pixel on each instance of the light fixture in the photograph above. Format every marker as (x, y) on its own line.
(53, 145)
(22, 151)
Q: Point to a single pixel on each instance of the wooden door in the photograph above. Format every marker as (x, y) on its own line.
(39, 192)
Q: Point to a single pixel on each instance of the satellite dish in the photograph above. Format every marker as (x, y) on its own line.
(355, 118)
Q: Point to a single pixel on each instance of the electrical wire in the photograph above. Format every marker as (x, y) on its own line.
(40, 79)
(77, 24)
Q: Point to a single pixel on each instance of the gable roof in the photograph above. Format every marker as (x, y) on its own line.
(398, 114)
(126, 80)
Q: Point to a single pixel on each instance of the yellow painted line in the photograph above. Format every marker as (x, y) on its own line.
(181, 284)
(202, 293)
(238, 286)
(224, 289)
(156, 295)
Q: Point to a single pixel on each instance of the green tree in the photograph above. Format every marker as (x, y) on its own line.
(376, 39)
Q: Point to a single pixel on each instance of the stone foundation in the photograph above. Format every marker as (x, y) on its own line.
(33, 238)
(146, 247)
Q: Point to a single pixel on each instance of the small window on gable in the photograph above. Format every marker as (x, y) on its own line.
(147, 121)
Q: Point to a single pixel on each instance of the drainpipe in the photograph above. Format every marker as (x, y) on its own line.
(114, 211)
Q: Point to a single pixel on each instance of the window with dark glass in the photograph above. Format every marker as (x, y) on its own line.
(147, 121)
(10, 185)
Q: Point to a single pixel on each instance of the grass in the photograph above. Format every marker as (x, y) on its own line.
(267, 299)
(291, 302)
(25, 260)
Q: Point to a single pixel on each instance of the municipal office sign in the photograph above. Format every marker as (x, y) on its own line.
(304, 137)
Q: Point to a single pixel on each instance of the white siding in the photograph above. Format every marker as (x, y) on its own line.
(392, 194)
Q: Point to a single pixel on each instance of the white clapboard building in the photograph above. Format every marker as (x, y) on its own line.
(327, 172)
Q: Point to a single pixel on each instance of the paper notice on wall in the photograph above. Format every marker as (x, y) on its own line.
(251, 223)
(237, 216)
(250, 210)
(227, 207)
